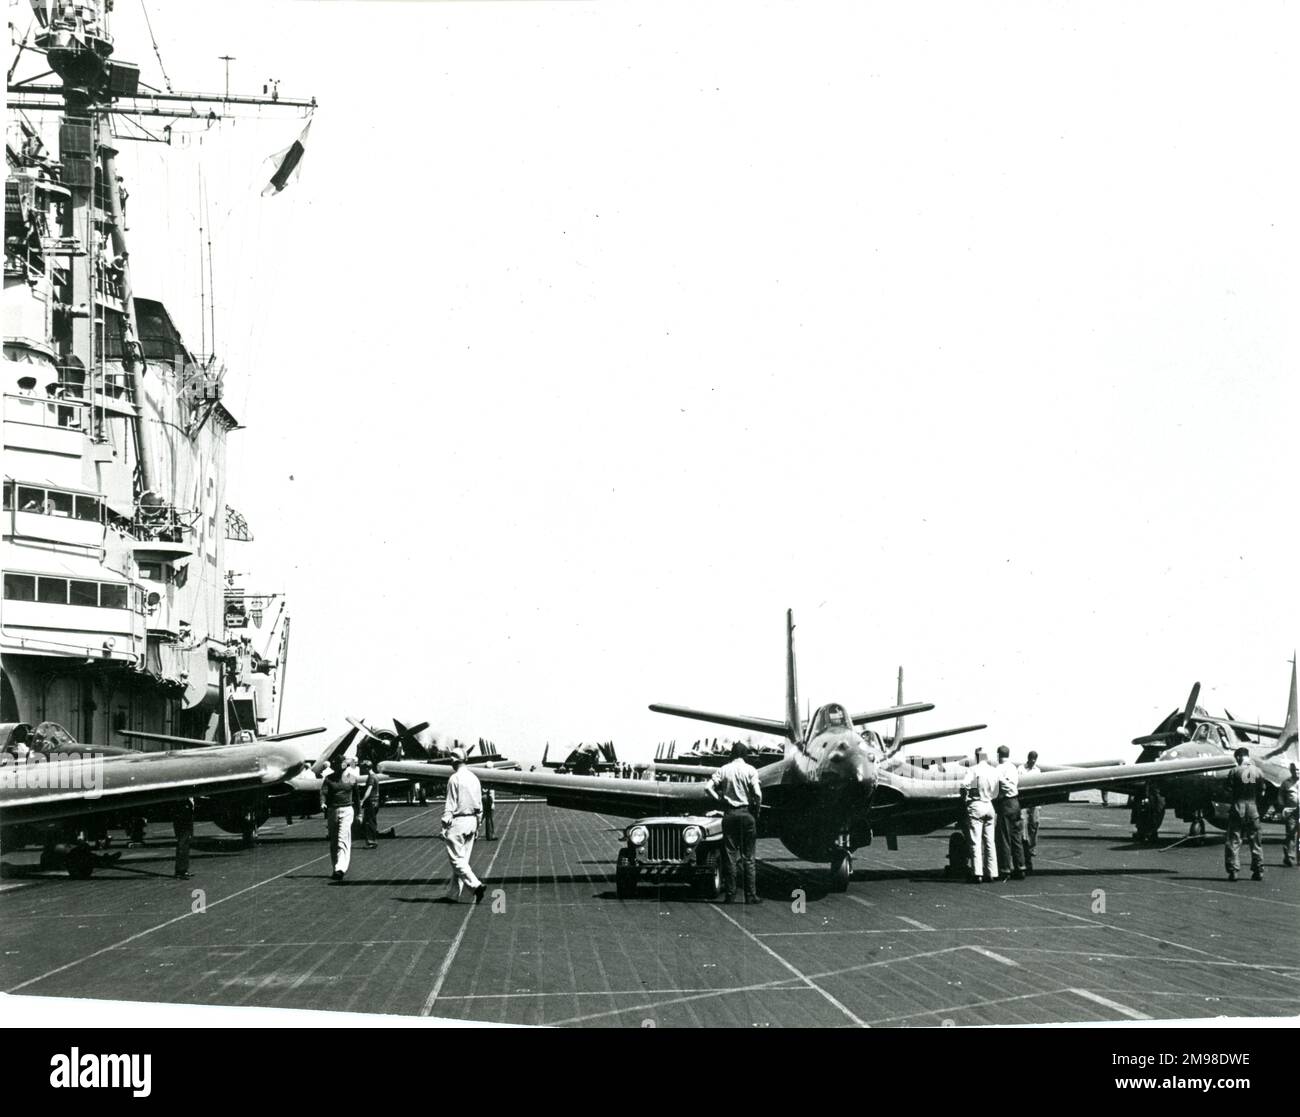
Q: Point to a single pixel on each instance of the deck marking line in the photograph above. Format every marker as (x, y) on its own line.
(783, 983)
(915, 923)
(1114, 1006)
(789, 966)
(445, 968)
(992, 954)
(174, 919)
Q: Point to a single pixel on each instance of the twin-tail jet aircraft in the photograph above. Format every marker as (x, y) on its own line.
(825, 798)
(1191, 732)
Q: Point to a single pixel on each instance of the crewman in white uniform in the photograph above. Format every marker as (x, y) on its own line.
(460, 815)
(981, 789)
(336, 802)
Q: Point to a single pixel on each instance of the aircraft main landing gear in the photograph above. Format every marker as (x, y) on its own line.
(77, 858)
(841, 870)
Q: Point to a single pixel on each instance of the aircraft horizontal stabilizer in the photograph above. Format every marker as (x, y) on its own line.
(916, 738)
(891, 712)
(736, 721)
(1244, 726)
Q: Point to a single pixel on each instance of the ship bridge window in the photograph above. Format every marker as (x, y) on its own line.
(64, 591)
(31, 500)
(112, 596)
(83, 593)
(52, 591)
(20, 587)
(155, 571)
(52, 502)
(90, 508)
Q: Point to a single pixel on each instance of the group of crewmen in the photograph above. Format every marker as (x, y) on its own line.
(468, 805)
(999, 833)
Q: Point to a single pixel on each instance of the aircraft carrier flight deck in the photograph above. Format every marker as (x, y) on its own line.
(1103, 930)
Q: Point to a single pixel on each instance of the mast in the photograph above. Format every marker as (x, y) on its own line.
(94, 86)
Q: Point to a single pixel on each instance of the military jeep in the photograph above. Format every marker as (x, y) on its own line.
(672, 850)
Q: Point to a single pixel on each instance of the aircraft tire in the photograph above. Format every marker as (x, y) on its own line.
(80, 862)
(841, 872)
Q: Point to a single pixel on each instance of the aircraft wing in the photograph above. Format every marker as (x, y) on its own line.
(736, 721)
(88, 785)
(698, 771)
(900, 794)
(167, 739)
(594, 794)
(1055, 784)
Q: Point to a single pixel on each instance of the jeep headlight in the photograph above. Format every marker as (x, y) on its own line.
(691, 835)
(637, 835)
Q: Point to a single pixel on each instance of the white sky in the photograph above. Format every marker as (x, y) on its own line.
(593, 335)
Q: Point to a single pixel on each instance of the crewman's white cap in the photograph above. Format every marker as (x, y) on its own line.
(458, 755)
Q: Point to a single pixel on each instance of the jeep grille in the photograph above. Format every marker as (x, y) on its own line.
(665, 843)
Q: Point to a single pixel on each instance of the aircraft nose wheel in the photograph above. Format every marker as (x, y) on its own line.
(841, 872)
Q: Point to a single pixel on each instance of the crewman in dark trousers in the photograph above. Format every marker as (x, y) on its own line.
(1290, 799)
(183, 827)
(1245, 786)
(1029, 816)
(1011, 850)
(368, 798)
(737, 785)
(489, 821)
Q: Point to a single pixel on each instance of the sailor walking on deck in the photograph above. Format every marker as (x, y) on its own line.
(460, 815)
(336, 802)
(736, 783)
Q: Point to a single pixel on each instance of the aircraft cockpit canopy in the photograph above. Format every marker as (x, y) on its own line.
(829, 719)
(1214, 734)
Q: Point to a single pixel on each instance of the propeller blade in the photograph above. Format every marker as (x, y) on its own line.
(1191, 705)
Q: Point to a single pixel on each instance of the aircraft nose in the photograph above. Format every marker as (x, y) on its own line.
(847, 763)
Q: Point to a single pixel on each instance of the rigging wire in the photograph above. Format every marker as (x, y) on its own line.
(157, 53)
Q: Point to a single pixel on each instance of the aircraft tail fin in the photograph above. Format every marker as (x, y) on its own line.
(1288, 744)
(898, 721)
(794, 726)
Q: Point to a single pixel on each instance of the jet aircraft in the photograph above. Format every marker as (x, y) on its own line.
(51, 798)
(825, 798)
(585, 759)
(1192, 732)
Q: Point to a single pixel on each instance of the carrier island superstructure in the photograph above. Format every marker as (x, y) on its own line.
(119, 611)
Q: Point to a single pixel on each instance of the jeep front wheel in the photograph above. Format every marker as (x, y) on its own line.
(625, 876)
(707, 880)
